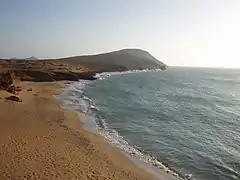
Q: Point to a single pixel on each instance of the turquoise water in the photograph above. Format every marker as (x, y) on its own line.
(183, 120)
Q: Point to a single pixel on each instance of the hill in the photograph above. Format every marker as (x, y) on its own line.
(126, 59)
(79, 67)
(31, 58)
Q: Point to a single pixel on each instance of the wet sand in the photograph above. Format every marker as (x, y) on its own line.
(40, 140)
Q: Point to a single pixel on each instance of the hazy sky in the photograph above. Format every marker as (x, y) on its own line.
(177, 32)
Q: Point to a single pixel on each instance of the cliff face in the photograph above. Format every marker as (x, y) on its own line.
(126, 59)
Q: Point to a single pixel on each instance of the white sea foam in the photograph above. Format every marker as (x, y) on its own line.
(104, 75)
(114, 138)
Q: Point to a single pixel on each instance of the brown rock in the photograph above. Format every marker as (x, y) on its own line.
(13, 98)
(18, 88)
(11, 89)
(29, 89)
(6, 80)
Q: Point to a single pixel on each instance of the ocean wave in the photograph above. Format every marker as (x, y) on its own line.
(193, 118)
(225, 170)
(101, 76)
(75, 99)
(225, 80)
(94, 107)
(114, 138)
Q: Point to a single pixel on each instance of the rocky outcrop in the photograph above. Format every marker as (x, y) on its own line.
(13, 98)
(74, 68)
(43, 76)
(6, 81)
(11, 89)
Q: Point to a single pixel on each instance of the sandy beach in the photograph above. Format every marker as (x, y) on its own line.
(40, 140)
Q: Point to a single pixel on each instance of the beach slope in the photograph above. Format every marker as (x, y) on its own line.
(40, 140)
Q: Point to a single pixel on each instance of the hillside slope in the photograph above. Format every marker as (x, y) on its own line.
(126, 59)
(80, 67)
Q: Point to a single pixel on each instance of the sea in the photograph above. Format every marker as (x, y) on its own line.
(185, 121)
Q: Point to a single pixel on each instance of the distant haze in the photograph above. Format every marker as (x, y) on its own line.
(183, 33)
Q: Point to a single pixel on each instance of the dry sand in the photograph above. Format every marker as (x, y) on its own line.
(40, 140)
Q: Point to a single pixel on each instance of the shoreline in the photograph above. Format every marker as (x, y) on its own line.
(153, 166)
(41, 140)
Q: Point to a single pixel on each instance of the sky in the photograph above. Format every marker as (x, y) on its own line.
(202, 33)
